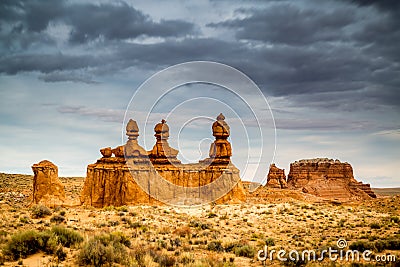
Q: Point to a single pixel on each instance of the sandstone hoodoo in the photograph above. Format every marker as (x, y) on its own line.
(276, 177)
(327, 178)
(135, 176)
(47, 188)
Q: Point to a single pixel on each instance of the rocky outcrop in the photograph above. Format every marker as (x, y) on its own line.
(47, 188)
(157, 176)
(276, 178)
(327, 178)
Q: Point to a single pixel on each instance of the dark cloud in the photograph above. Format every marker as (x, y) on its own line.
(388, 5)
(326, 56)
(115, 22)
(45, 63)
(289, 24)
(88, 22)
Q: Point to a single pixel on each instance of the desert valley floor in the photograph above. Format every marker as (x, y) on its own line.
(212, 235)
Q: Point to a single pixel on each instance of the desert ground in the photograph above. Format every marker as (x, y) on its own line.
(212, 235)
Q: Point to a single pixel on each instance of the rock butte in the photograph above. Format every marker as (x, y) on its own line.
(276, 178)
(136, 176)
(327, 178)
(47, 188)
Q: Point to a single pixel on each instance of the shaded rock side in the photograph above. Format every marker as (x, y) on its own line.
(276, 178)
(47, 188)
(327, 178)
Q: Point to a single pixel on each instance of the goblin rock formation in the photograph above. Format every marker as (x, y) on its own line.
(276, 178)
(47, 188)
(135, 176)
(162, 153)
(327, 178)
(220, 150)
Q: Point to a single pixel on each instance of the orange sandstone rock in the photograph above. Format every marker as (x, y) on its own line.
(276, 177)
(158, 176)
(47, 188)
(327, 178)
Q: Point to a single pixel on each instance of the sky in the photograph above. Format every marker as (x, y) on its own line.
(329, 72)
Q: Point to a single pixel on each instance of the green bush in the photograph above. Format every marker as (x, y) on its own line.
(40, 211)
(104, 249)
(30, 242)
(67, 237)
(244, 251)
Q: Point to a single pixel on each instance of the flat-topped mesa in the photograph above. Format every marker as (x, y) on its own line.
(327, 178)
(276, 178)
(47, 188)
(162, 153)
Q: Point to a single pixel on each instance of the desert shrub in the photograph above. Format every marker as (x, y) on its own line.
(296, 262)
(24, 219)
(104, 250)
(40, 211)
(375, 226)
(199, 225)
(187, 258)
(61, 254)
(244, 251)
(164, 260)
(390, 244)
(108, 208)
(270, 241)
(393, 244)
(361, 246)
(57, 219)
(395, 219)
(122, 209)
(212, 215)
(30, 242)
(67, 237)
(215, 246)
(183, 231)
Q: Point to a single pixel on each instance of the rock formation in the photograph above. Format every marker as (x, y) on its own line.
(220, 150)
(157, 176)
(327, 178)
(47, 188)
(162, 153)
(276, 178)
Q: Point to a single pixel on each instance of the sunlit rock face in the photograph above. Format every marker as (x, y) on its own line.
(135, 176)
(47, 188)
(327, 178)
(276, 178)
